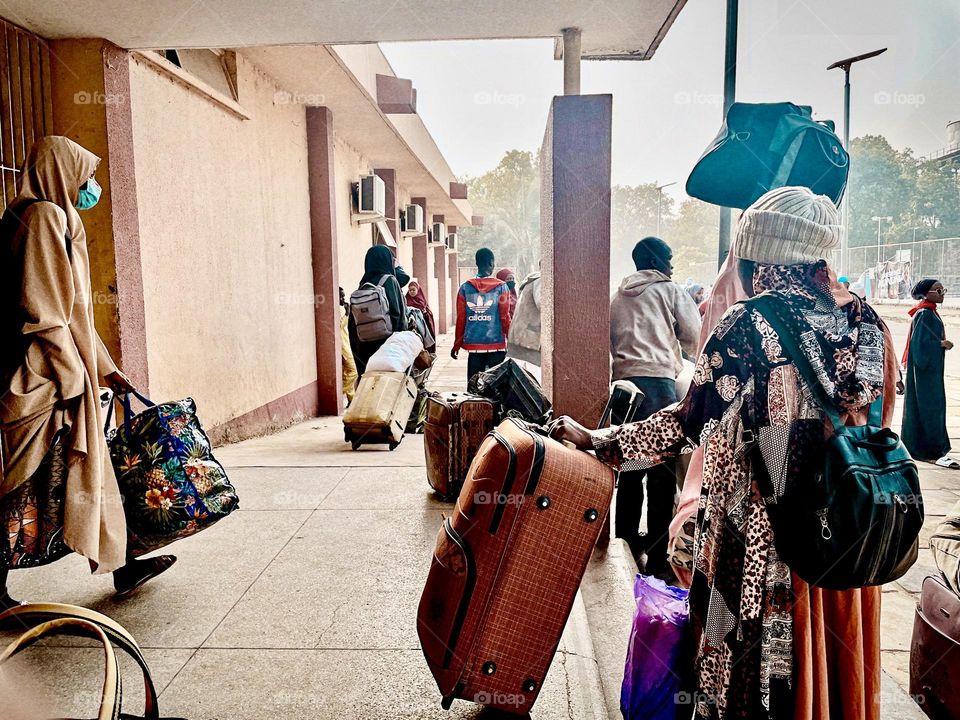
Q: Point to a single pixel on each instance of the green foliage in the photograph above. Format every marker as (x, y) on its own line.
(694, 237)
(885, 182)
(508, 198)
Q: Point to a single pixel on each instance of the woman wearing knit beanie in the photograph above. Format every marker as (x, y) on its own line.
(767, 644)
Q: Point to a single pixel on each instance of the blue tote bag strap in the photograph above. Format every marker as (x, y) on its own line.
(127, 406)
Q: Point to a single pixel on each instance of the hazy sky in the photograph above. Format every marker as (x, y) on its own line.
(482, 98)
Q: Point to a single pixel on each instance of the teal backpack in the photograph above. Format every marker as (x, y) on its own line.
(763, 146)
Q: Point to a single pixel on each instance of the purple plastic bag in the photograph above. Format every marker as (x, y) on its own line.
(659, 657)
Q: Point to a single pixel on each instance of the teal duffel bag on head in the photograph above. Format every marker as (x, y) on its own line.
(763, 146)
(854, 520)
(172, 486)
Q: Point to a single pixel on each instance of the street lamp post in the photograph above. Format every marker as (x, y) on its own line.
(845, 65)
(879, 220)
(660, 202)
(729, 95)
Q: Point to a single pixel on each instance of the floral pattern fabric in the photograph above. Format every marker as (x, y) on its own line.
(32, 514)
(755, 415)
(172, 485)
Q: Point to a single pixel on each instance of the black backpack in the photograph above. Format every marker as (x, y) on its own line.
(854, 520)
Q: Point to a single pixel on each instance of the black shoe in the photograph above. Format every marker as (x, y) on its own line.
(136, 572)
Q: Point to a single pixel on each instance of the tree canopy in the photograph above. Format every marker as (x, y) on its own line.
(922, 198)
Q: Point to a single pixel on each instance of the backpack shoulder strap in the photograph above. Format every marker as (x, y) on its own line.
(383, 280)
(766, 305)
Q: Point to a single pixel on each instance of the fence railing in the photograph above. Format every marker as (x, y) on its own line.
(890, 271)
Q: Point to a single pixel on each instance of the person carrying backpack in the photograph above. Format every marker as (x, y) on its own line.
(767, 643)
(377, 308)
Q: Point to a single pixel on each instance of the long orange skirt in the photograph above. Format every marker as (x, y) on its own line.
(836, 644)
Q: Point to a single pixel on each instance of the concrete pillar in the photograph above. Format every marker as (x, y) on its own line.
(90, 90)
(575, 255)
(454, 276)
(443, 288)
(571, 61)
(421, 265)
(326, 282)
(389, 177)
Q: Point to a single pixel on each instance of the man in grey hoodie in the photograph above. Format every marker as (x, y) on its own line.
(651, 320)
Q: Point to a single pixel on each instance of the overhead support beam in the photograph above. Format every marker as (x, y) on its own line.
(396, 95)
(571, 61)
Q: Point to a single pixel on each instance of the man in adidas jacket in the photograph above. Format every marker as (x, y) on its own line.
(483, 317)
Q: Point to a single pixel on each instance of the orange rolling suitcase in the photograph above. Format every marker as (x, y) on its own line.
(507, 566)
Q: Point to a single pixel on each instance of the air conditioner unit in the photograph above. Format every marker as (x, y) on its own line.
(371, 199)
(452, 241)
(438, 234)
(411, 221)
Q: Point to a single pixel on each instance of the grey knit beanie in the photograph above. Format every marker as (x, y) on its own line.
(788, 226)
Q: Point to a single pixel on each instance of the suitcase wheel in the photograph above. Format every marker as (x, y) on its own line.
(394, 445)
(446, 702)
(355, 444)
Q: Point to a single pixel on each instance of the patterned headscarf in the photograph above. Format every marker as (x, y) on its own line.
(844, 345)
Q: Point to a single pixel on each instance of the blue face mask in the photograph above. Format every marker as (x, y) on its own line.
(89, 195)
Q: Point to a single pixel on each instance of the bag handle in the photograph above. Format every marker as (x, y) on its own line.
(124, 399)
(110, 700)
(117, 634)
(788, 161)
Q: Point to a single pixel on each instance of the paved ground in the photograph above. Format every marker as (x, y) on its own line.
(303, 603)
(300, 605)
(941, 492)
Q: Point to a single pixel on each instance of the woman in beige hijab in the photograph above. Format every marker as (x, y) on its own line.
(58, 492)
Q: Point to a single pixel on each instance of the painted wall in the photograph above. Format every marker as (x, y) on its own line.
(225, 236)
(353, 239)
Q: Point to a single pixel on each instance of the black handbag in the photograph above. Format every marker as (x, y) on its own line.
(854, 520)
(762, 146)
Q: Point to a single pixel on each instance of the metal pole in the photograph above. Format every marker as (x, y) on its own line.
(659, 203)
(845, 211)
(729, 95)
(879, 220)
(571, 61)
